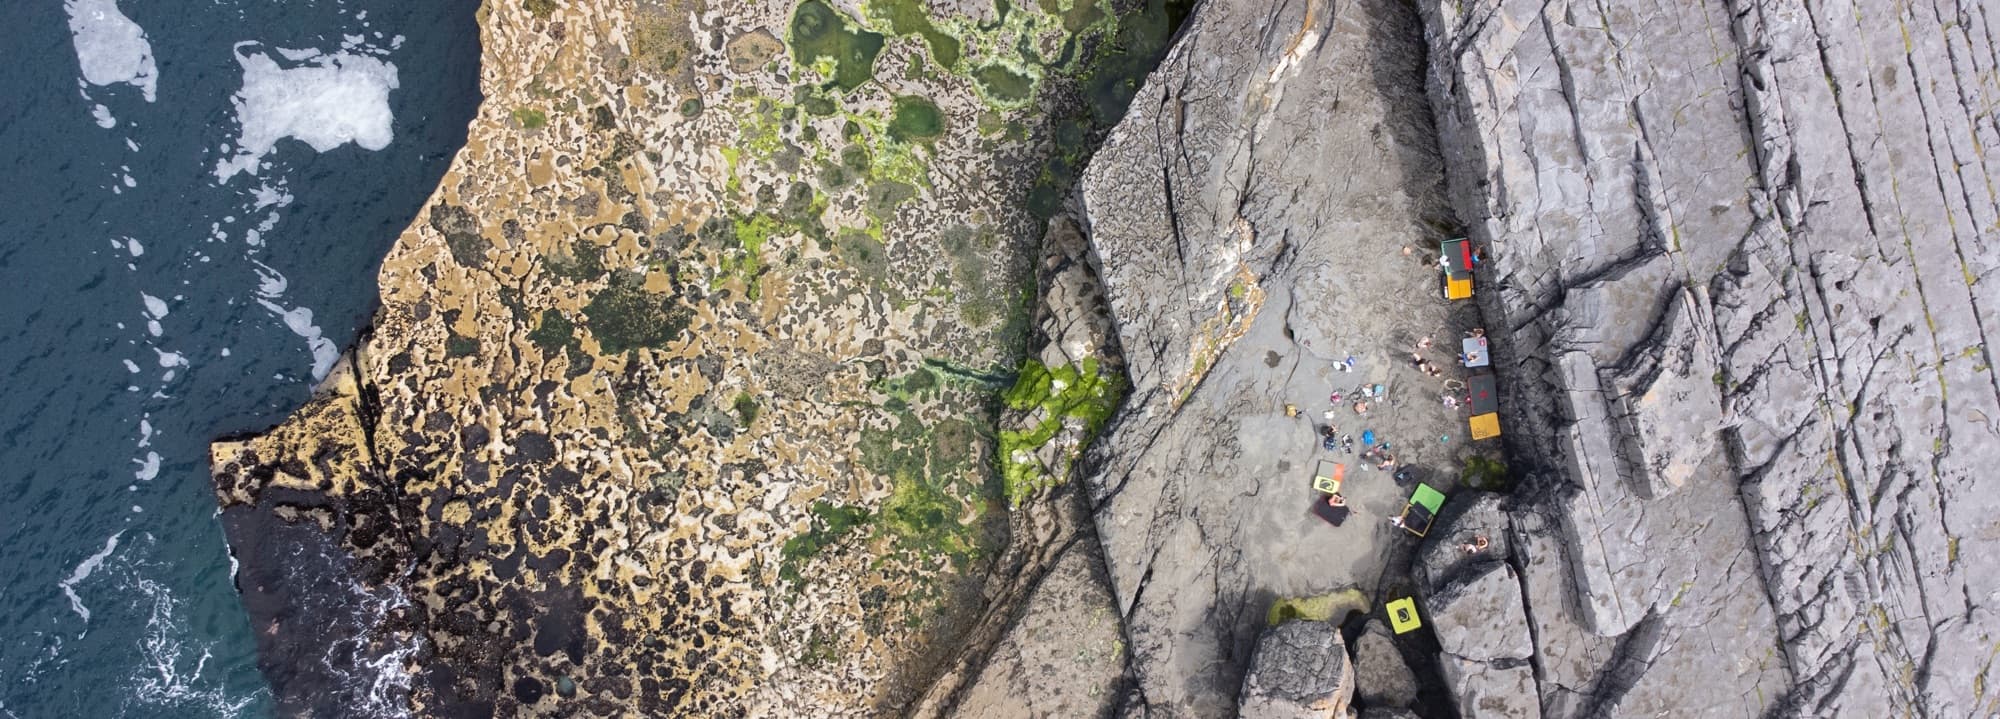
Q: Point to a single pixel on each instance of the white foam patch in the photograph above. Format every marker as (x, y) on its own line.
(270, 282)
(110, 48)
(149, 467)
(145, 432)
(103, 116)
(300, 321)
(326, 101)
(156, 308)
(82, 572)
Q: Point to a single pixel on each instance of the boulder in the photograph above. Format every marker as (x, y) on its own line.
(1493, 690)
(1300, 671)
(1381, 678)
(1481, 625)
(1466, 517)
(1480, 616)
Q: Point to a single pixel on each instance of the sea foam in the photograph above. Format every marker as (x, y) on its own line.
(324, 100)
(111, 49)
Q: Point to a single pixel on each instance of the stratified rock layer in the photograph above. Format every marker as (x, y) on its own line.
(1799, 195)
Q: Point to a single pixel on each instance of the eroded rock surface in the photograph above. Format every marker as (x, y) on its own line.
(682, 397)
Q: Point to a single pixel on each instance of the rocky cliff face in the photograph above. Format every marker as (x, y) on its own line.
(1795, 197)
(1741, 257)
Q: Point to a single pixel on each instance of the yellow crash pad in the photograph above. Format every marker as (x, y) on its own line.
(1457, 289)
(1485, 426)
(1329, 476)
(1403, 615)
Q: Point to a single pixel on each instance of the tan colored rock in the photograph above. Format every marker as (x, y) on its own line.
(674, 404)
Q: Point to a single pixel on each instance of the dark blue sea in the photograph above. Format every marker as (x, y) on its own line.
(196, 198)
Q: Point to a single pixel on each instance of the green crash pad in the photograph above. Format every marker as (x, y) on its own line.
(1427, 498)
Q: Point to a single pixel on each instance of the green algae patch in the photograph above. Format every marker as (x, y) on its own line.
(1079, 15)
(624, 316)
(909, 17)
(933, 476)
(1485, 473)
(1328, 607)
(460, 346)
(1002, 85)
(540, 8)
(746, 408)
(1052, 397)
(924, 517)
(555, 331)
(831, 523)
(531, 118)
(824, 39)
(915, 118)
(864, 254)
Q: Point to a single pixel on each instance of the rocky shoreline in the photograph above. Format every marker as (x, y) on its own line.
(763, 379)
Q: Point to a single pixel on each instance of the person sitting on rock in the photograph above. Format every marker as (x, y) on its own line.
(1477, 545)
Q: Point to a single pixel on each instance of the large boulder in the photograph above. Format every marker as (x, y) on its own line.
(1381, 677)
(1480, 616)
(1300, 671)
(1482, 629)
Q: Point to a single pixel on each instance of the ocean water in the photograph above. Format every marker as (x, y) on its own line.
(196, 197)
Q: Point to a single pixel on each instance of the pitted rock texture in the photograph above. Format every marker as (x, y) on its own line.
(1798, 194)
(681, 396)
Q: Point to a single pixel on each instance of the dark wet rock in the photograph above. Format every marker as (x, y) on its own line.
(1300, 670)
(1381, 678)
(1387, 713)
